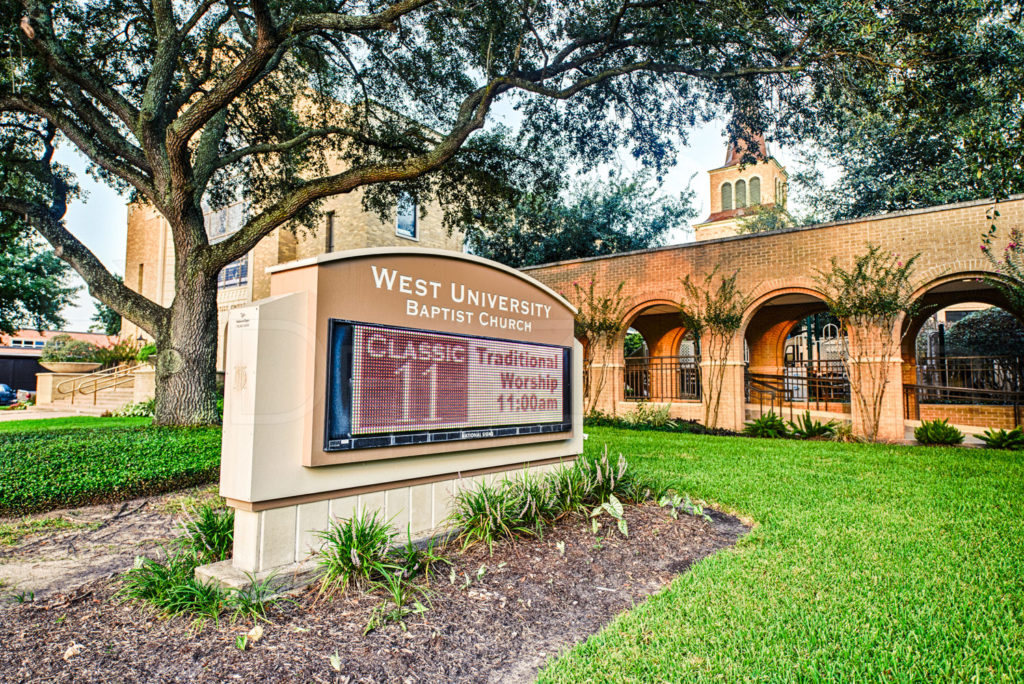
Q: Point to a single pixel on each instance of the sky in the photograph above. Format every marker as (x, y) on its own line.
(100, 218)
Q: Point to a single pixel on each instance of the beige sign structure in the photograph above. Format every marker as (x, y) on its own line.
(386, 380)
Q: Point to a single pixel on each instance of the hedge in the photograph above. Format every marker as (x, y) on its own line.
(66, 468)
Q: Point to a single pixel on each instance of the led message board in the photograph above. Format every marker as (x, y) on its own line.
(391, 386)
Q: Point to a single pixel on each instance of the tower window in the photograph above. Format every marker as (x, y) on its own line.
(726, 196)
(405, 221)
(755, 191)
(741, 194)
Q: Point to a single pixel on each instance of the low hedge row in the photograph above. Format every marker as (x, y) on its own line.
(64, 468)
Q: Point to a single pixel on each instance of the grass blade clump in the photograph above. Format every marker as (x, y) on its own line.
(355, 551)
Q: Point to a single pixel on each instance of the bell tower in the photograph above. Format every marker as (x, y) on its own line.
(739, 190)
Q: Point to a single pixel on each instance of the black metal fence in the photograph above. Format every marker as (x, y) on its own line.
(995, 373)
(800, 387)
(662, 378)
(915, 395)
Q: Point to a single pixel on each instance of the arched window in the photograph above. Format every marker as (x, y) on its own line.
(755, 191)
(726, 196)
(741, 194)
(778, 192)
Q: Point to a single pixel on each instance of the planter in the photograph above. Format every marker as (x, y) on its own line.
(70, 366)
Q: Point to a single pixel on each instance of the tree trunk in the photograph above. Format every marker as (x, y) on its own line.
(186, 369)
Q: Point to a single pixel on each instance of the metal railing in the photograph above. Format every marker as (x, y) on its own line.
(662, 378)
(798, 388)
(916, 395)
(1001, 373)
(91, 384)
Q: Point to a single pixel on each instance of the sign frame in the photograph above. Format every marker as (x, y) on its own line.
(340, 390)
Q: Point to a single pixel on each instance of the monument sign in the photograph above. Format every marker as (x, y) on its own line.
(385, 380)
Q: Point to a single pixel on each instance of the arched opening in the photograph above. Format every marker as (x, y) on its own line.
(794, 358)
(963, 356)
(726, 196)
(741, 194)
(754, 191)
(661, 362)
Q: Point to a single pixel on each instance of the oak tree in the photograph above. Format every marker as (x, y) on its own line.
(199, 103)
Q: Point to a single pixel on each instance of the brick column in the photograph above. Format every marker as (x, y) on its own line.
(875, 360)
(732, 405)
(607, 376)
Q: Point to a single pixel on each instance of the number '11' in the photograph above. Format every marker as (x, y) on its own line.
(404, 373)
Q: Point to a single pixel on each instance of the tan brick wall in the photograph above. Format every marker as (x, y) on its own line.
(772, 265)
(975, 416)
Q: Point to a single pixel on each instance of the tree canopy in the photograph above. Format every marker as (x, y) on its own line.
(196, 103)
(596, 219)
(34, 287)
(990, 332)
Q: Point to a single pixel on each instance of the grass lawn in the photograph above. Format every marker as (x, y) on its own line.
(73, 423)
(81, 463)
(869, 563)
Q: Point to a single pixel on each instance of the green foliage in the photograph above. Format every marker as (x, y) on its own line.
(42, 470)
(523, 506)
(37, 425)
(140, 409)
(170, 585)
(990, 332)
(909, 540)
(1009, 265)
(633, 344)
(66, 348)
(712, 310)
(209, 534)
(596, 219)
(601, 419)
(123, 351)
(1003, 439)
(612, 507)
(767, 425)
(765, 219)
(649, 415)
(33, 284)
(145, 352)
(876, 290)
(938, 433)
(806, 427)
(599, 314)
(356, 551)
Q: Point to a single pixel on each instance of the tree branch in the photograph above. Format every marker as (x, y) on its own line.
(353, 24)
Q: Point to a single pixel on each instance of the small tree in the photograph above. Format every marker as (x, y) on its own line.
(870, 300)
(765, 220)
(599, 321)
(1009, 265)
(714, 313)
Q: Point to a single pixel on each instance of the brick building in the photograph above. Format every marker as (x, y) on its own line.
(778, 271)
(739, 190)
(149, 258)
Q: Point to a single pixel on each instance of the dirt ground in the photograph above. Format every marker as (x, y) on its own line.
(500, 620)
(91, 542)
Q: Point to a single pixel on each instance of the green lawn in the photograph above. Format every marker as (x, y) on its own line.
(73, 423)
(79, 464)
(869, 563)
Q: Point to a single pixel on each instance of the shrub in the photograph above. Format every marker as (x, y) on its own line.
(65, 348)
(142, 409)
(689, 427)
(122, 351)
(355, 551)
(145, 352)
(645, 414)
(489, 513)
(938, 433)
(73, 467)
(1003, 439)
(170, 586)
(806, 427)
(767, 425)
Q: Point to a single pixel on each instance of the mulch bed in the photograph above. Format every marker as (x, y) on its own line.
(535, 599)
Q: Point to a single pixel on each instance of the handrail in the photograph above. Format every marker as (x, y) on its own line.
(108, 378)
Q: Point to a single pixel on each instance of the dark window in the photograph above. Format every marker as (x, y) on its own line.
(405, 221)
